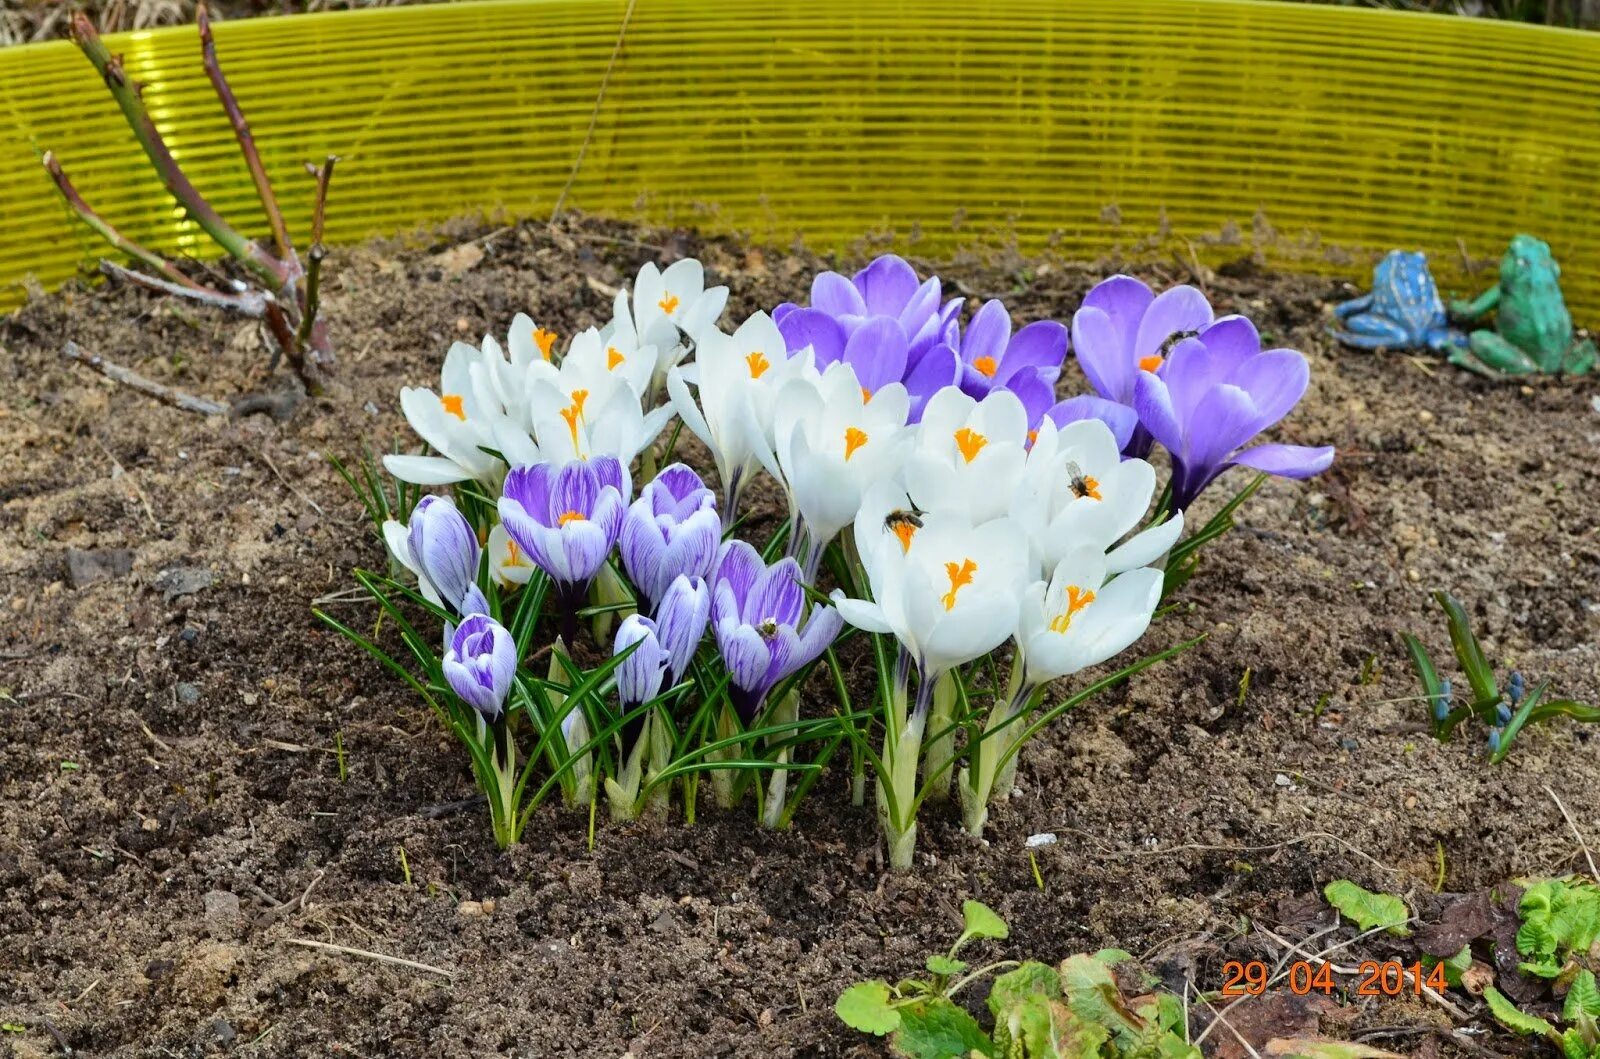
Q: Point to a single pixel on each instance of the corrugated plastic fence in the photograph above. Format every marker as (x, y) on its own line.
(1343, 128)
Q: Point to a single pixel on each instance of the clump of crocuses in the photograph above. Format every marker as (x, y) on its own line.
(944, 505)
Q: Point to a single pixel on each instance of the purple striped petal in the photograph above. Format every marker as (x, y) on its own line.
(1287, 461)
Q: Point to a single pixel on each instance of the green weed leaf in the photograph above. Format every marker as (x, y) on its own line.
(865, 1006)
(982, 921)
(1583, 998)
(937, 1029)
(1013, 987)
(945, 965)
(1513, 1018)
(1366, 909)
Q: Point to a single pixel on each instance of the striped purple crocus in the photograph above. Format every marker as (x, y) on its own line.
(673, 529)
(759, 621)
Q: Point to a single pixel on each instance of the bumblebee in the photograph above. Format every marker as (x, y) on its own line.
(904, 524)
(1081, 484)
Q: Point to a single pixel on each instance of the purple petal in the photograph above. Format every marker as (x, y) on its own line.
(641, 544)
(921, 309)
(877, 352)
(608, 470)
(739, 566)
(745, 654)
(777, 595)
(1035, 392)
(1042, 344)
(938, 368)
(1287, 461)
(530, 488)
(1153, 405)
(821, 627)
(1233, 339)
(1190, 371)
(1174, 311)
(782, 311)
(836, 296)
(886, 285)
(681, 621)
(575, 490)
(1103, 353)
(1119, 417)
(639, 675)
(814, 328)
(987, 335)
(1224, 420)
(1275, 381)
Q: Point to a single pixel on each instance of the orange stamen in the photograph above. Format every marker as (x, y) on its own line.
(986, 366)
(545, 340)
(970, 442)
(613, 358)
(570, 516)
(1077, 599)
(1151, 363)
(960, 575)
(1033, 435)
(905, 531)
(454, 403)
(853, 440)
(866, 395)
(669, 304)
(571, 415)
(514, 554)
(758, 364)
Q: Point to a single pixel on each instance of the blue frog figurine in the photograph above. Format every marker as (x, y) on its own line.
(1404, 310)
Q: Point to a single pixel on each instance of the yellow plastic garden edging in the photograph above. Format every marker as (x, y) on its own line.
(1089, 125)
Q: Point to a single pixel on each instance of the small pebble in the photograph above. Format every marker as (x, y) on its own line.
(188, 694)
(1413, 576)
(1047, 838)
(1283, 781)
(150, 823)
(470, 908)
(1425, 416)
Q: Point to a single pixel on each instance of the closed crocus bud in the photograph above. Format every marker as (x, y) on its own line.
(481, 664)
(672, 529)
(639, 676)
(444, 548)
(681, 622)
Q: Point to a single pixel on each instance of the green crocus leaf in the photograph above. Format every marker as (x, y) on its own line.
(1013, 987)
(935, 1028)
(945, 965)
(1366, 909)
(865, 1006)
(1512, 1017)
(1583, 998)
(982, 921)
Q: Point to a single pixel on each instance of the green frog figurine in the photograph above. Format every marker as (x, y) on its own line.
(1533, 330)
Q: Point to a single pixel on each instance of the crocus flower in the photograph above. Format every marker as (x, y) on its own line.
(948, 590)
(1077, 489)
(1123, 328)
(481, 664)
(967, 455)
(884, 323)
(458, 422)
(736, 378)
(439, 546)
(640, 675)
(1027, 363)
(508, 564)
(681, 620)
(832, 444)
(566, 519)
(603, 418)
(671, 530)
(1077, 619)
(667, 305)
(756, 614)
(1214, 395)
(1121, 418)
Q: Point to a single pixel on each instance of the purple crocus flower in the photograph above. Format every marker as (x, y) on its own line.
(1213, 395)
(672, 529)
(681, 622)
(441, 548)
(640, 675)
(1026, 363)
(883, 322)
(566, 518)
(481, 664)
(755, 616)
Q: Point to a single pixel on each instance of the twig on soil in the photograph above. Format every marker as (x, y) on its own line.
(1588, 856)
(1222, 1018)
(594, 115)
(149, 387)
(123, 473)
(280, 909)
(289, 485)
(364, 954)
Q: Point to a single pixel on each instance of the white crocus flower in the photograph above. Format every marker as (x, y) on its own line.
(675, 302)
(1077, 490)
(459, 422)
(591, 358)
(969, 454)
(738, 378)
(832, 445)
(508, 564)
(947, 589)
(581, 423)
(949, 592)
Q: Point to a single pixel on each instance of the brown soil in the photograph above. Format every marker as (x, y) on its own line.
(167, 780)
